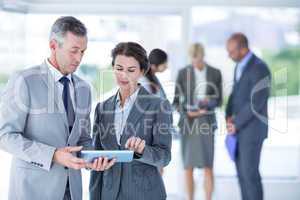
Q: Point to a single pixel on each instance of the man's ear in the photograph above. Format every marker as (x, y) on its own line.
(53, 45)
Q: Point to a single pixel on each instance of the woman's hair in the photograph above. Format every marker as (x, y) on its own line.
(196, 49)
(156, 58)
(131, 49)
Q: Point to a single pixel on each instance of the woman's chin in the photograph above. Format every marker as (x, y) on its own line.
(127, 88)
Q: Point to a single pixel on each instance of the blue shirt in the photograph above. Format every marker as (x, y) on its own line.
(241, 66)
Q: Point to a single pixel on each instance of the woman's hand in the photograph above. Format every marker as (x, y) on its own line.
(136, 144)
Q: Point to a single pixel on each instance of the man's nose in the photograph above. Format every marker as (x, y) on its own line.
(78, 58)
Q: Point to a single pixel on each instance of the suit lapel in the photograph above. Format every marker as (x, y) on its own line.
(209, 79)
(77, 104)
(248, 65)
(53, 94)
(191, 84)
(109, 123)
(78, 96)
(139, 108)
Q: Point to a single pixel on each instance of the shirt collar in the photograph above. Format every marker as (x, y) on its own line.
(55, 73)
(245, 60)
(129, 99)
(200, 71)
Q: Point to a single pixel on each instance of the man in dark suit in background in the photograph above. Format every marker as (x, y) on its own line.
(247, 113)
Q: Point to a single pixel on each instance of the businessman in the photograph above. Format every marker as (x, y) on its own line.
(247, 113)
(45, 121)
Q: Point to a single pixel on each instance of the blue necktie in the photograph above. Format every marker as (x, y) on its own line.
(68, 102)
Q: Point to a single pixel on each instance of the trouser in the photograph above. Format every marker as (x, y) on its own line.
(247, 165)
(67, 193)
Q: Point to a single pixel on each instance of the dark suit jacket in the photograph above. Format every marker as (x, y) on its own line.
(248, 102)
(149, 119)
(184, 94)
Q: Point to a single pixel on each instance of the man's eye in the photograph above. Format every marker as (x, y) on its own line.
(119, 69)
(131, 70)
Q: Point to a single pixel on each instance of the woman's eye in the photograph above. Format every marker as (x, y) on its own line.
(132, 70)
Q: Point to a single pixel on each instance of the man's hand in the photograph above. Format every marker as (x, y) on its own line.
(230, 126)
(101, 164)
(136, 144)
(63, 156)
(198, 113)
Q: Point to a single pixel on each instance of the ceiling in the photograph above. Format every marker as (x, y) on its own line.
(143, 6)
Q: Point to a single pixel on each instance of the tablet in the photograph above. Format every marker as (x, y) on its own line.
(120, 156)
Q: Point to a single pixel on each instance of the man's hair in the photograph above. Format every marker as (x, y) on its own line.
(241, 39)
(67, 24)
(131, 49)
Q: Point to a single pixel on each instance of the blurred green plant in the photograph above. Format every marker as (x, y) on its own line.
(3, 78)
(285, 69)
(102, 78)
(3, 81)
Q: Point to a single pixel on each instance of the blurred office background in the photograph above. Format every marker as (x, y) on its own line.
(272, 26)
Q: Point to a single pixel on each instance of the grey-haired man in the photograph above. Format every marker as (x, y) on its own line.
(45, 121)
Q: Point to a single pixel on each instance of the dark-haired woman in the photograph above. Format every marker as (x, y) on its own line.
(158, 60)
(136, 120)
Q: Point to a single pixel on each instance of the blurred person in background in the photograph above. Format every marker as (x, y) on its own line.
(198, 92)
(158, 60)
(247, 113)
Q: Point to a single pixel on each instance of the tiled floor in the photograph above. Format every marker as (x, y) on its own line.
(280, 168)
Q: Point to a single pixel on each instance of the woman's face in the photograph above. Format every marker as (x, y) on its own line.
(162, 67)
(127, 71)
(197, 59)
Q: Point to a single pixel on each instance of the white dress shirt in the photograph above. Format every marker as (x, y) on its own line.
(57, 75)
(122, 113)
(201, 84)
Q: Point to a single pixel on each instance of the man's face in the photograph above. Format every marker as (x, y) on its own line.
(68, 56)
(234, 52)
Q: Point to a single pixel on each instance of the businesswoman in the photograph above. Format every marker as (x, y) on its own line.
(198, 92)
(136, 120)
(158, 60)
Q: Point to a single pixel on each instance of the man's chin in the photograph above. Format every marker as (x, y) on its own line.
(72, 70)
